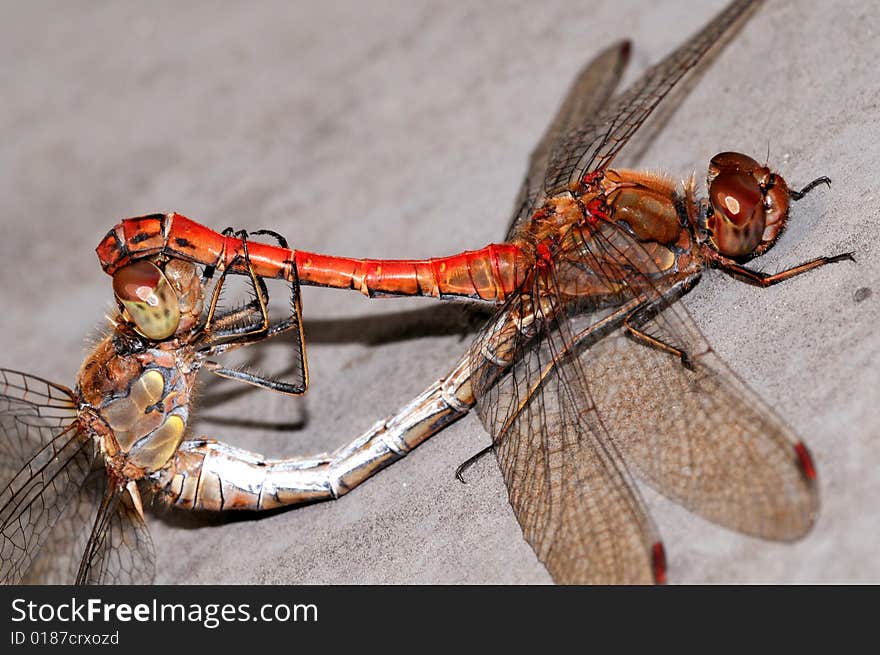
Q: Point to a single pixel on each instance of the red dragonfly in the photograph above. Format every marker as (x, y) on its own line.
(589, 373)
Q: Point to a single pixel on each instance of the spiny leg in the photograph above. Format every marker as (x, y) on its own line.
(296, 304)
(296, 388)
(233, 323)
(229, 323)
(231, 336)
(764, 280)
(261, 293)
(642, 315)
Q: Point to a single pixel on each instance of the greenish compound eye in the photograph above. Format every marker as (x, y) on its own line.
(148, 298)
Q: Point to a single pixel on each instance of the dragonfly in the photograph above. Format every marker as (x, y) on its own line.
(589, 375)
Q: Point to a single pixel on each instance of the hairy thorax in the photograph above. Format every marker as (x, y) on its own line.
(139, 401)
(626, 230)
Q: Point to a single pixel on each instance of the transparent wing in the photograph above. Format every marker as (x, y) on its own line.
(700, 436)
(572, 401)
(588, 94)
(44, 459)
(125, 556)
(592, 145)
(57, 560)
(33, 409)
(568, 486)
(119, 549)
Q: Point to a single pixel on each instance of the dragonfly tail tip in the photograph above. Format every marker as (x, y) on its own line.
(659, 562)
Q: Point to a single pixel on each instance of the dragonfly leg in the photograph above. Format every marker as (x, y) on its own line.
(234, 329)
(208, 475)
(797, 195)
(764, 280)
(645, 313)
(295, 388)
(283, 242)
(233, 323)
(470, 461)
(261, 293)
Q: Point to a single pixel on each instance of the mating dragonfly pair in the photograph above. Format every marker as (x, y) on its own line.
(589, 374)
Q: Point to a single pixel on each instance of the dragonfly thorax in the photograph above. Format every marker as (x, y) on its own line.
(142, 399)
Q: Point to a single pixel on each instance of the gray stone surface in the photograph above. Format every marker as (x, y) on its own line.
(390, 129)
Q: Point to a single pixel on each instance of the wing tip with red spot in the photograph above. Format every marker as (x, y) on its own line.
(658, 556)
(808, 468)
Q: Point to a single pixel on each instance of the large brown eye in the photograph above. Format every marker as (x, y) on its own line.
(148, 298)
(737, 224)
(737, 195)
(732, 161)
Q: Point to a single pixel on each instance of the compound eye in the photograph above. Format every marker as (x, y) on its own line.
(148, 298)
(733, 161)
(737, 196)
(736, 226)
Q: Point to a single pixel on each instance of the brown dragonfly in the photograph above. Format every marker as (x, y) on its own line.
(589, 374)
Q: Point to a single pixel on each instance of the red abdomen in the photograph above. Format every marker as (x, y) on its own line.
(491, 273)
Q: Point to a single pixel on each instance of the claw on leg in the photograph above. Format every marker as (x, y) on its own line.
(470, 461)
(797, 195)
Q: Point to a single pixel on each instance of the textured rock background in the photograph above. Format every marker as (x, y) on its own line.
(391, 129)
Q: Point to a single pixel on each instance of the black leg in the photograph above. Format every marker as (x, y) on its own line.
(250, 324)
(470, 461)
(797, 195)
(641, 315)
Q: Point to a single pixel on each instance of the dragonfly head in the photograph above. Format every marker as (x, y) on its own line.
(159, 301)
(748, 206)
